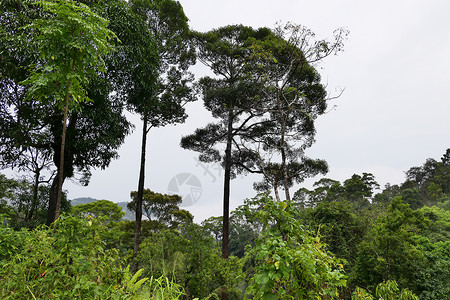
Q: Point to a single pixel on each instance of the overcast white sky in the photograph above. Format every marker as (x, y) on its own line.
(394, 113)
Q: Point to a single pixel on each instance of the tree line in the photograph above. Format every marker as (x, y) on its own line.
(339, 240)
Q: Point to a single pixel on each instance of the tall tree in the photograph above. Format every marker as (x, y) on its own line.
(291, 99)
(19, 129)
(95, 128)
(161, 101)
(229, 97)
(71, 40)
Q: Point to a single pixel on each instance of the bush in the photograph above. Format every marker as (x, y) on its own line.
(289, 262)
(67, 260)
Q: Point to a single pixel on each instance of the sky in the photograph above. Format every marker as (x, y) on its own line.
(393, 115)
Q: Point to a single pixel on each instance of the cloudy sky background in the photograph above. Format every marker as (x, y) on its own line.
(394, 113)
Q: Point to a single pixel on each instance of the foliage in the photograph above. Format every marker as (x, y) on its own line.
(389, 251)
(387, 290)
(99, 209)
(357, 190)
(342, 230)
(241, 233)
(431, 181)
(67, 260)
(291, 264)
(190, 258)
(95, 130)
(71, 41)
(22, 206)
(162, 288)
(164, 208)
(433, 276)
(162, 253)
(132, 282)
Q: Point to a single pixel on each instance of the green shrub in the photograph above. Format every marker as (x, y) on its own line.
(385, 291)
(65, 261)
(289, 262)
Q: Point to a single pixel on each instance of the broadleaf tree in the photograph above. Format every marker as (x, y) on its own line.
(163, 208)
(71, 40)
(95, 129)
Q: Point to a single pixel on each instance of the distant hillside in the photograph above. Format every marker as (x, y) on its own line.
(83, 200)
(129, 215)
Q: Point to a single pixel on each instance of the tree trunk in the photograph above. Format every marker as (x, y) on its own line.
(35, 195)
(275, 189)
(282, 146)
(285, 174)
(63, 139)
(52, 199)
(226, 187)
(140, 195)
(226, 195)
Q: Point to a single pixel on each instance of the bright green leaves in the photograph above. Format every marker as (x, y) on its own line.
(67, 261)
(102, 209)
(290, 263)
(385, 290)
(71, 41)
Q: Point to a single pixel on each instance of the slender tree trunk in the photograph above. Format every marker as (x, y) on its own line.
(226, 195)
(35, 195)
(285, 174)
(140, 195)
(52, 199)
(63, 139)
(226, 187)
(282, 147)
(277, 195)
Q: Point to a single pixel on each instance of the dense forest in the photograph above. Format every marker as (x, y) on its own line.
(71, 69)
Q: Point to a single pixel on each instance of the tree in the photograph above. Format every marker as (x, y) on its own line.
(325, 190)
(160, 101)
(290, 100)
(290, 262)
(71, 40)
(164, 208)
(431, 181)
(358, 190)
(99, 209)
(24, 205)
(21, 131)
(389, 250)
(229, 98)
(341, 229)
(35, 127)
(241, 233)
